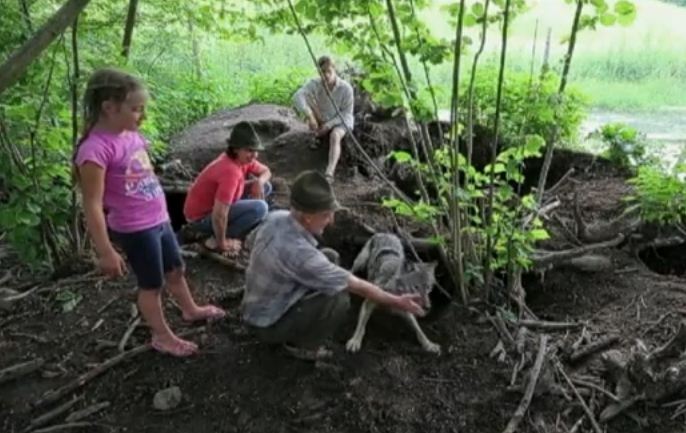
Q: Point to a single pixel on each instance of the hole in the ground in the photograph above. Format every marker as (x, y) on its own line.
(666, 260)
(175, 202)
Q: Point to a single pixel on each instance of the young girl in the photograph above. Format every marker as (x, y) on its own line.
(122, 196)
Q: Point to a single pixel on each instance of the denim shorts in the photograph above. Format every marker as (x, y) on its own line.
(151, 253)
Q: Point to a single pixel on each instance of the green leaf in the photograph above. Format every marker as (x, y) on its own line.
(539, 234)
(401, 156)
(469, 20)
(608, 19)
(478, 9)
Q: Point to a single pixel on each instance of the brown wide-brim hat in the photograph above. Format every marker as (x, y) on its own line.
(311, 193)
(244, 136)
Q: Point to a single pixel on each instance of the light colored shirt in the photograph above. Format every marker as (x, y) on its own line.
(133, 198)
(312, 97)
(285, 266)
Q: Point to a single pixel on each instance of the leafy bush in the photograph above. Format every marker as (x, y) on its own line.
(626, 146)
(528, 106)
(660, 194)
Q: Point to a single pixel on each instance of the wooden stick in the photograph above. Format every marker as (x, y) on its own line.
(502, 330)
(529, 393)
(549, 326)
(67, 426)
(584, 406)
(19, 370)
(219, 258)
(107, 304)
(49, 416)
(125, 338)
(86, 412)
(36, 338)
(593, 348)
(597, 388)
(56, 394)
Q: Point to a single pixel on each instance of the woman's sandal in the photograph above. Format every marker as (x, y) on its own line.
(179, 348)
(208, 312)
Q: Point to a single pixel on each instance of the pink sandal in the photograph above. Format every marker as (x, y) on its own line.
(208, 312)
(179, 348)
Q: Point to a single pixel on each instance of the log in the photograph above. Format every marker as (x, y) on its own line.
(22, 57)
(19, 370)
(543, 259)
(529, 392)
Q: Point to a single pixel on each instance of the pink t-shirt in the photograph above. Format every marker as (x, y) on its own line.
(133, 198)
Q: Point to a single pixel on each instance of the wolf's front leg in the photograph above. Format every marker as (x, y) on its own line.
(355, 341)
(427, 344)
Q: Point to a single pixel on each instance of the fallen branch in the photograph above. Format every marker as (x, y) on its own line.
(544, 259)
(584, 406)
(502, 330)
(598, 388)
(36, 338)
(593, 348)
(539, 212)
(19, 370)
(107, 304)
(125, 338)
(627, 222)
(549, 326)
(221, 259)
(553, 189)
(51, 415)
(529, 392)
(86, 412)
(56, 394)
(69, 426)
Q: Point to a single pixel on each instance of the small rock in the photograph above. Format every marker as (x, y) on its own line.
(167, 399)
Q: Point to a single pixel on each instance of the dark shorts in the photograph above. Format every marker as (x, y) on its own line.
(151, 253)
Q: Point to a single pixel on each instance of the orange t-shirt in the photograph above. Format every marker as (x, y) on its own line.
(221, 180)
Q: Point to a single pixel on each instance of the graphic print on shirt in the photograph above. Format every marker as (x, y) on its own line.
(140, 180)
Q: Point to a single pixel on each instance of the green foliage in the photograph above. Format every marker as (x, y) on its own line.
(512, 241)
(660, 194)
(528, 105)
(626, 146)
(277, 87)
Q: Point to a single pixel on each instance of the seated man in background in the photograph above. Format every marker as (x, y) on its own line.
(227, 199)
(322, 117)
(295, 295)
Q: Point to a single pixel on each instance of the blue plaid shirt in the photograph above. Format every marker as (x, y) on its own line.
(285, 265)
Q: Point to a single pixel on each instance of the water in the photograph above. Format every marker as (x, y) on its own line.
(665, 130)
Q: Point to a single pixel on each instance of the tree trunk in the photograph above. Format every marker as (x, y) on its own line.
(128, 29)
(16, 64)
